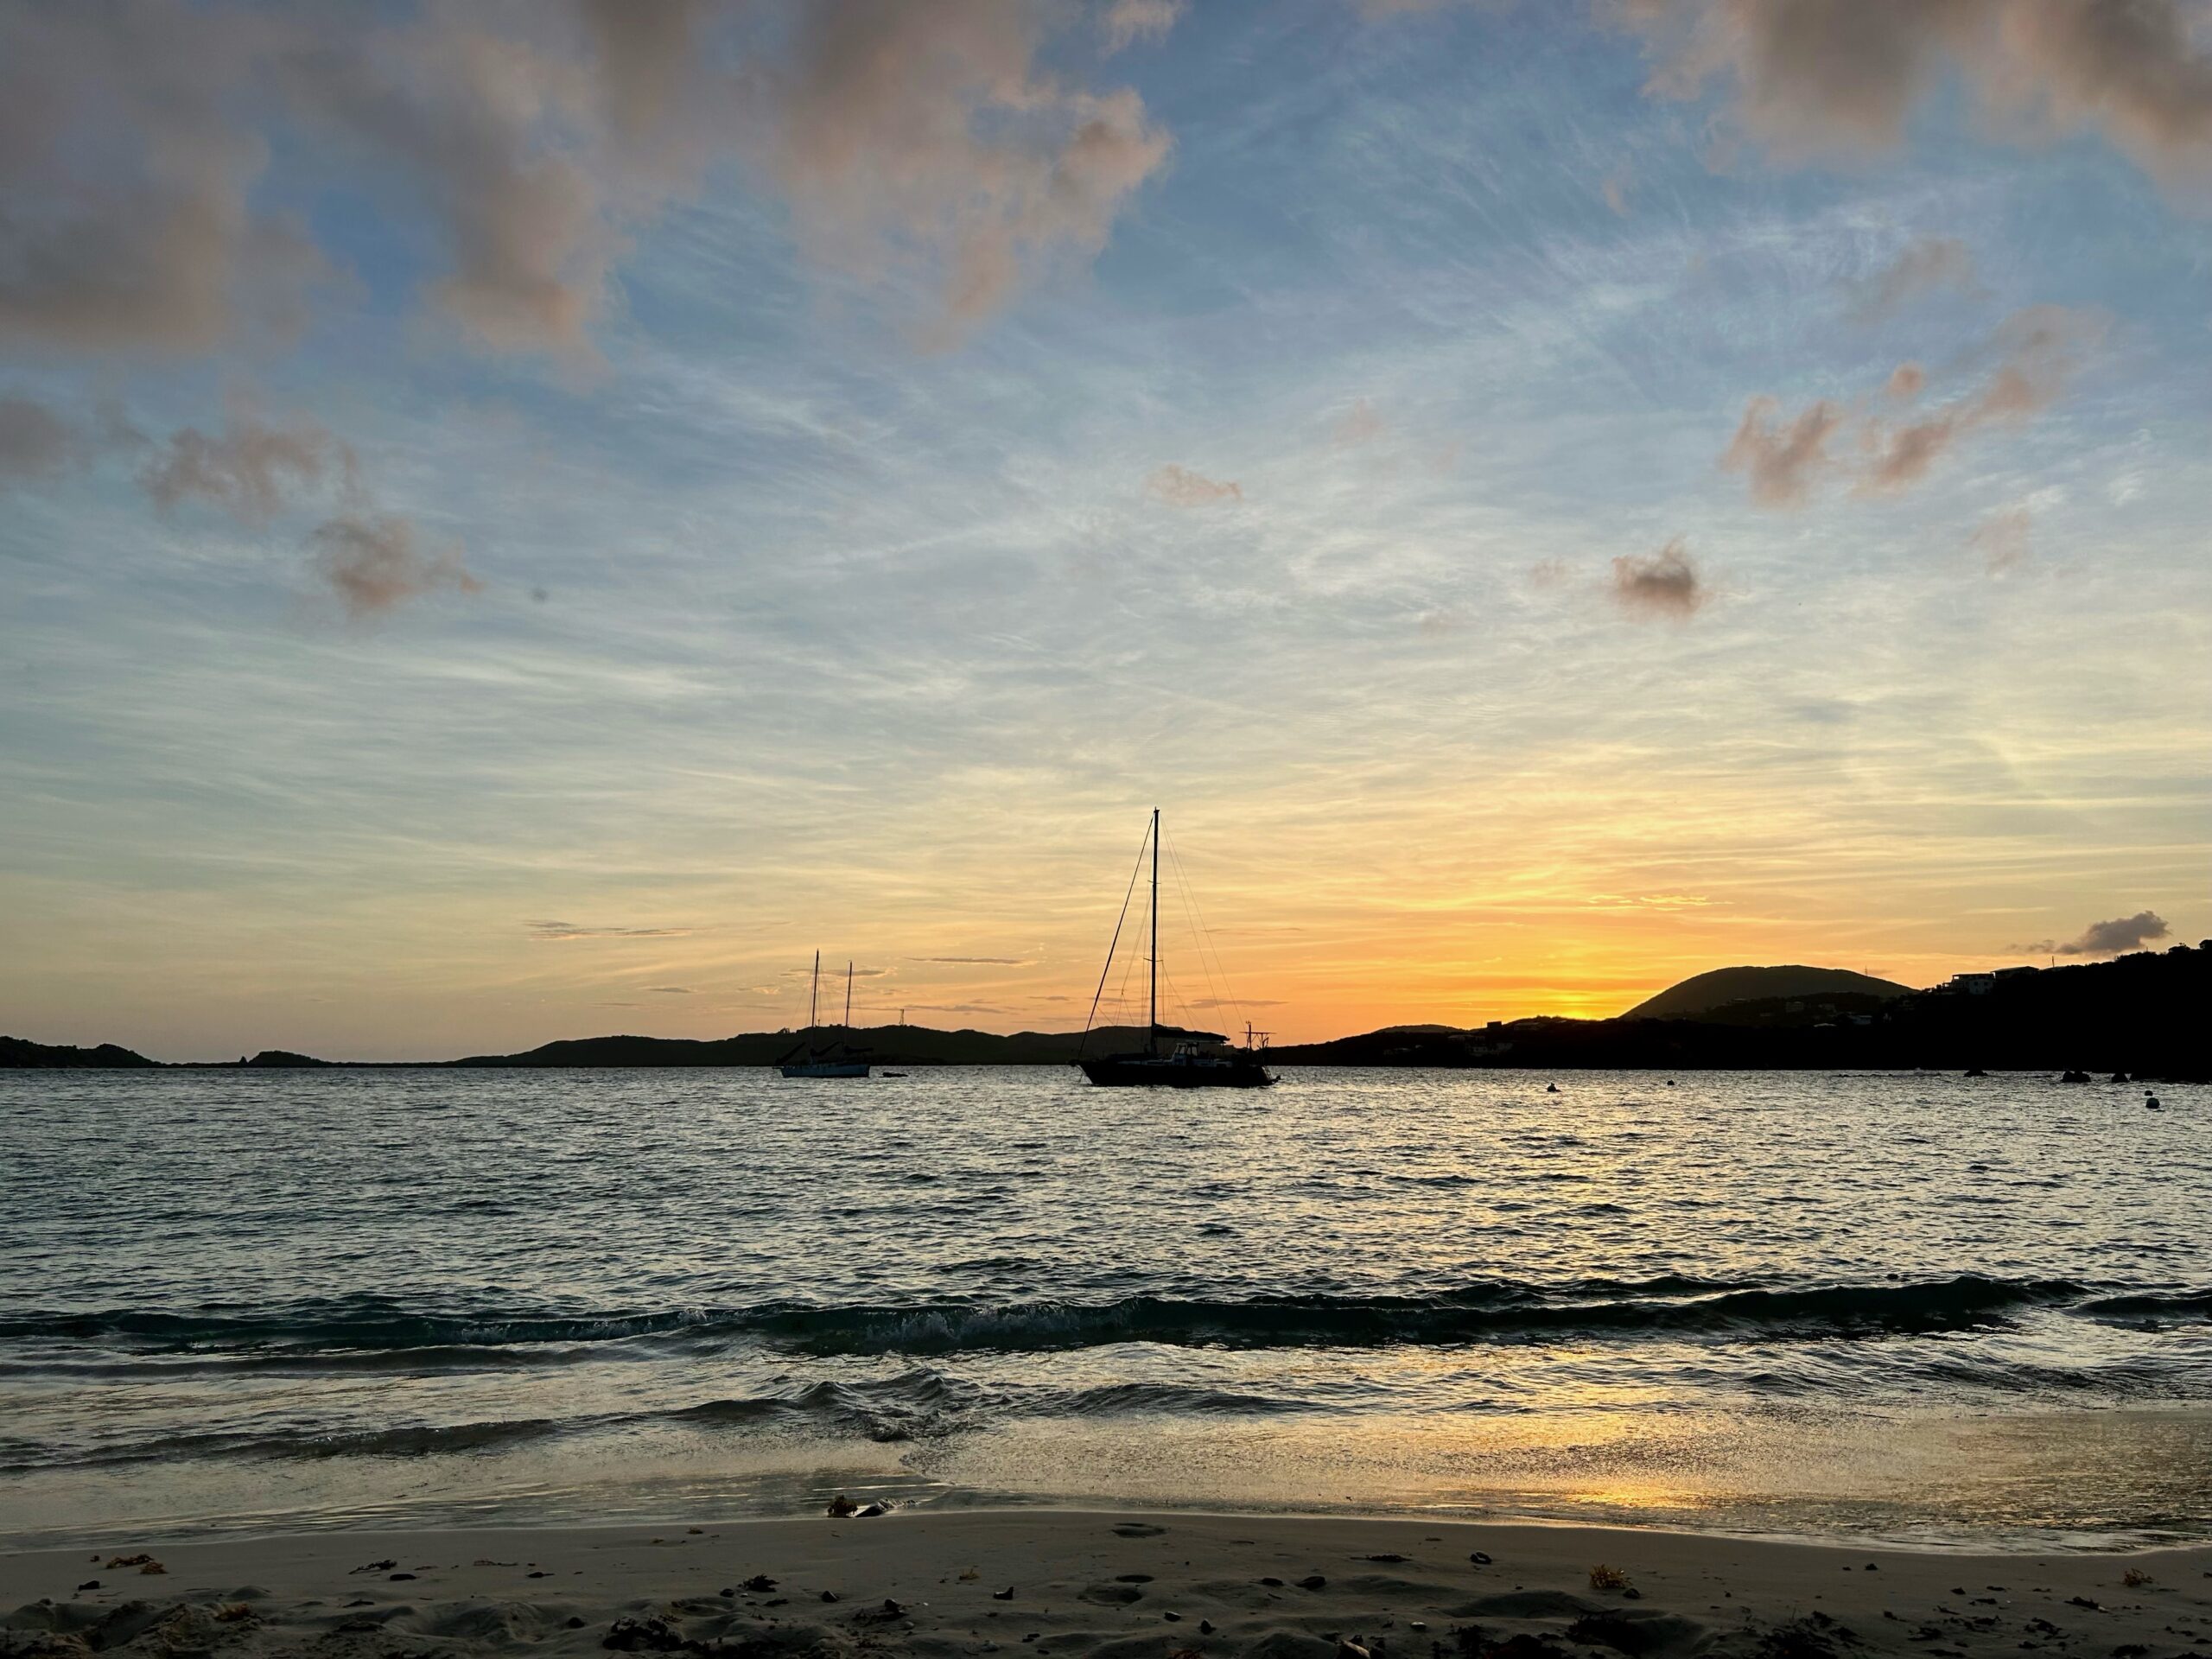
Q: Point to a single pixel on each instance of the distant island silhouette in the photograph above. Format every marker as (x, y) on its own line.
(1703, 992)
(2140, 1015)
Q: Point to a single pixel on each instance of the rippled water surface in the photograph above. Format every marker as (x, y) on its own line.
(1918, 1307)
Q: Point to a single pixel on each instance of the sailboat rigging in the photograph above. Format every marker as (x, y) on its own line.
(1200, 1060)
(815, 1064)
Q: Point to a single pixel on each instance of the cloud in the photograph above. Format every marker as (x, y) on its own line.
(2002, 540)
(1181, 487)
(1783, 459)
(1358, 424)
(499, 136)
(990, 962)
(249, 468)
(138, 138)
(2036, 351)
(1664, 584)
(922, 133)
(1614, 189)
(1547, 574)
(1810, 77)
(669, 990)
(2104, 939)
(129, 225)
(553, 931)
(1441, 624)
(1126, 21)
(2027, 363)
(1932, 262)
(374, 563)
(35, 441)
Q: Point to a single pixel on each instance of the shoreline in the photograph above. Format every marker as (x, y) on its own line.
(1098, 1583)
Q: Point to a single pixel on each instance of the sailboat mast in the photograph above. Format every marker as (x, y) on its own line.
(1151, 1027)
(849, 994)
(814, 991)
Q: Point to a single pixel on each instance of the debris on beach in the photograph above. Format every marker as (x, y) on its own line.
(1813, 1636)
(643, 1636)
(841, 1506)
(1603, 1577)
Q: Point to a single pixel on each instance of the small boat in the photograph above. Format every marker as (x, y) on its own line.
(1197, 1059)
(816, 1064)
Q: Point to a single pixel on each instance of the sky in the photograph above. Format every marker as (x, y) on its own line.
(522, 521)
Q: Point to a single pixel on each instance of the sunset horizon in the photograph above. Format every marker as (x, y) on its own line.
(1106, 828)
(1547, 500)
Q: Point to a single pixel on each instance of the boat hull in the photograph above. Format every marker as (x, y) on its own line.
(1164, 1072)
(826, 1069)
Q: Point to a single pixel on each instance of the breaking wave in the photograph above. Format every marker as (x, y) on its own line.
(374, 1332)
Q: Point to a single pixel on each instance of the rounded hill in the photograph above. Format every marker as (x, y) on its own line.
(1702, 993)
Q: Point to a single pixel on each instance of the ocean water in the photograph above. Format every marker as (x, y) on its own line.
(1918, 1308)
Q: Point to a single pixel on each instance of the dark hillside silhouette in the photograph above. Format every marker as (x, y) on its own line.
(2141, 1015)
(1700, 994)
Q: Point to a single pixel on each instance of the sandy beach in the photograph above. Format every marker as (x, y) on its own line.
(1102, 1585)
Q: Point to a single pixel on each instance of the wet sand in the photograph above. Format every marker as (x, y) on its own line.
(1095, 1585)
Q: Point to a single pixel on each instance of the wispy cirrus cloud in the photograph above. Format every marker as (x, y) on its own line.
(1360, 424)
(1181, 488)
(1924, 267)
(35, 441)
(1125, 22)
(2002, 540)
(551, 932)
(981, 961)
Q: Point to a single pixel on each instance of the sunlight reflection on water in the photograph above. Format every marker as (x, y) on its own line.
(1922, 1308)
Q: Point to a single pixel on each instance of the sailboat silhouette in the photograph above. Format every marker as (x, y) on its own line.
(814, 1066)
